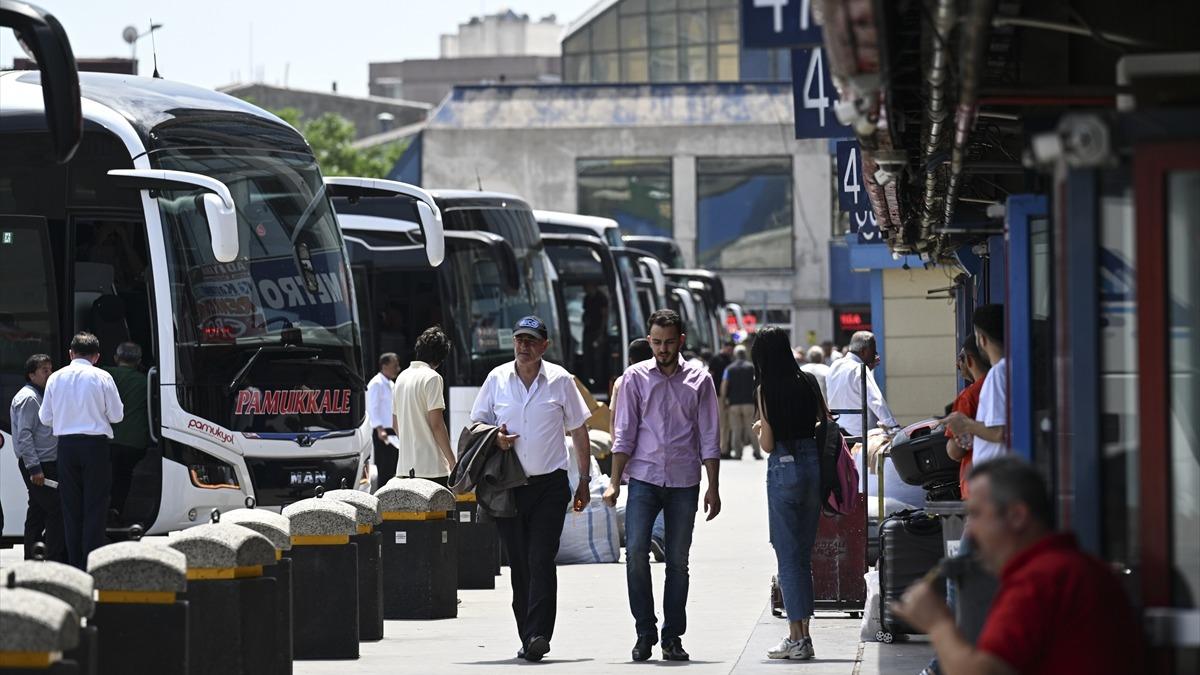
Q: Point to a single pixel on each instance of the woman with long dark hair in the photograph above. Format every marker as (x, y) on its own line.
(790, 410)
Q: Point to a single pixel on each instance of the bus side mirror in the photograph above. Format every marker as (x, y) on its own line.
(44, 37)
(435, 235)
(218, 202)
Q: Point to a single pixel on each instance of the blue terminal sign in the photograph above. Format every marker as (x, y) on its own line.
(814, 96)
(770, 24)
(852, 193)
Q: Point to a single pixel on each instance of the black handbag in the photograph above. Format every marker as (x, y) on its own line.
(829, 445)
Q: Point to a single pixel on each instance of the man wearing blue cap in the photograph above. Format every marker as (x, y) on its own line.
(533, 402)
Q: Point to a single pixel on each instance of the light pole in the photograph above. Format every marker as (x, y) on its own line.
(131, 37)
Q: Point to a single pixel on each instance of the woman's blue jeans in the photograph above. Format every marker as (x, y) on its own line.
(793, 491)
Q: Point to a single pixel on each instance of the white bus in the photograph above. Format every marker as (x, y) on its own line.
(199, 227)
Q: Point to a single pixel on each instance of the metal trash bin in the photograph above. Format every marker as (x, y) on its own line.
(420, 556)
(278, 530)
(370, 566)
(141, 623)
(974, 586)
(74, 587)
(478, 545)
(324, 579)
(231, 605)
(35, 630)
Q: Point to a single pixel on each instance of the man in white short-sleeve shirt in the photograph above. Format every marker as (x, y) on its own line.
(379, 414)
(534, 402)
(418, 412)
(991, 418)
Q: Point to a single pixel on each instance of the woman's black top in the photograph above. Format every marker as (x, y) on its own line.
(794, 412)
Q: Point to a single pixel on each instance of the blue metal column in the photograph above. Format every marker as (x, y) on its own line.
(1020, 209)
(1079, 372)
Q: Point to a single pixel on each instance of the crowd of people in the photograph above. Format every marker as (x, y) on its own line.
(80, 430)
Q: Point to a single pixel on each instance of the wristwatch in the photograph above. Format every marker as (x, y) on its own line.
(585, 478)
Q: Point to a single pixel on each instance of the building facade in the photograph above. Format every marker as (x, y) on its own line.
(504, 34)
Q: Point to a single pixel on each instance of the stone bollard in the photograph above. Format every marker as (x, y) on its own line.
(74, 587)
(231, 605)
(141, 623)
(325, 579)
(277, 529)
(370, 569)
(35, 630)
(478, 546)
(420, 556)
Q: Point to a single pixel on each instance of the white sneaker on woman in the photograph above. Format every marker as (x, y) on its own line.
(796, 650)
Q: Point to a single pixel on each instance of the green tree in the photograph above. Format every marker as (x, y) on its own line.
(332, 136)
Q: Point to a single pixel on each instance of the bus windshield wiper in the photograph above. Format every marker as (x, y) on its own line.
(245, 370)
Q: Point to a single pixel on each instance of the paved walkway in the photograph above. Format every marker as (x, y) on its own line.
(729, 631)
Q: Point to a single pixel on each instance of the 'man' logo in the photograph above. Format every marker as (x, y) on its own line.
(211, 430)
(293, 402)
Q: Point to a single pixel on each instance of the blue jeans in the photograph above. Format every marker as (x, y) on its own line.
(678, 506)
(793, 491)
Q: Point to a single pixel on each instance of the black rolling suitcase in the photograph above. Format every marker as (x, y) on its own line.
(910, 544)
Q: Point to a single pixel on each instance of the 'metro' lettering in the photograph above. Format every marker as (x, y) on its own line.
(293, 402)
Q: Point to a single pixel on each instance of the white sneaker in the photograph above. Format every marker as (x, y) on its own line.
(796, 650)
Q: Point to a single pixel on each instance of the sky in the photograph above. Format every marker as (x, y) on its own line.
(304, 43)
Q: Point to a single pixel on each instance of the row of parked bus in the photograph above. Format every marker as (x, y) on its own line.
(201, 228)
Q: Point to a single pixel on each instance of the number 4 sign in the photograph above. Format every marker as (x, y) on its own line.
(852, 194)
(814, 96)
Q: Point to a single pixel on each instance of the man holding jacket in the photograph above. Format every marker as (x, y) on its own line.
(532, 402)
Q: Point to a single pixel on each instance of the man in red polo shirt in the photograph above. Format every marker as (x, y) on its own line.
(1058, 609)
(974, 367)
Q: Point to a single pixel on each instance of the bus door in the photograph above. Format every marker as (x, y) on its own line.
(595, 308)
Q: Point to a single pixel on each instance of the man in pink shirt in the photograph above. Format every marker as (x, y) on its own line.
(666, 428)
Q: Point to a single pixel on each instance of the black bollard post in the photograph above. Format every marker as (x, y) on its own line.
(325, 576)
(370, 569)
(74, 587)
(478, 546)
(419, 550)
(277, 529)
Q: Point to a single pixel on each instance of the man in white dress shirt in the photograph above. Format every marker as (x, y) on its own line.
(844, 386)
(379, 413)
(532, 402)
(81, 404)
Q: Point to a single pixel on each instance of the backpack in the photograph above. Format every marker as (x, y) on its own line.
(839, 473)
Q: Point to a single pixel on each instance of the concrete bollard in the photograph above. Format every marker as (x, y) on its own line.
(278, 530)
(478, 546)
(420, 556)
(35, 630)
(141, 623)
(74, 587)
(231, 604)
(370, 568)
(325, 579)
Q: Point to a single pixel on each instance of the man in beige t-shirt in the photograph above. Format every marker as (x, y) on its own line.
(418, 407)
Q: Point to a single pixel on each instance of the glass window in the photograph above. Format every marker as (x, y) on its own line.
(604, 31)
(724, 25)
(664, 30)
(693, 27)
(695, 63)
(664, 65)
(605, 67)
(577, 68)
(692, 4)
(1119, 430)
(744, 213)
(725, 62)
(633, 32)
(634, 192)
(663, 5)
(1183, 308)
(633, 7)
(755, 65)
(28, 306)
(579, 42)
(635, 66)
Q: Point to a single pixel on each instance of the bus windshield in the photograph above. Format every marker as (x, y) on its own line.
(290, 273)
(277, 320)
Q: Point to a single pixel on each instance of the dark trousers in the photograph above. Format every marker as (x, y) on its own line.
(386, 456)
(531, 539)
(84, 486)
(124, 459)
(43, 516)
(678, 506)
